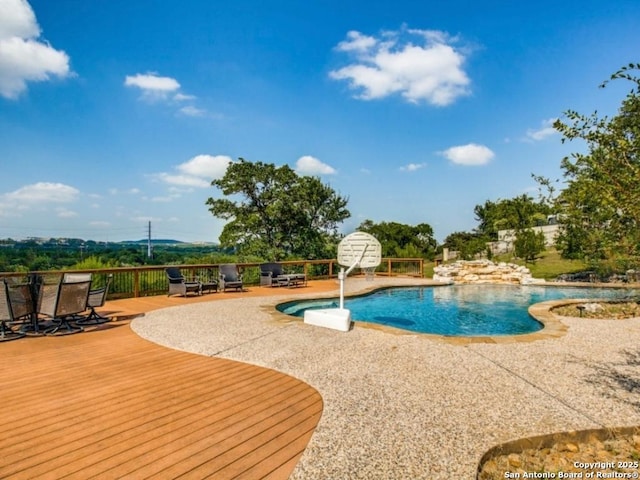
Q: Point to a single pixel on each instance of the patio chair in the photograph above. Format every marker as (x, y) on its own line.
(16, 304)
(97, 297)
(230, 277)
(62, 302)
(272, 274)
(179, 285)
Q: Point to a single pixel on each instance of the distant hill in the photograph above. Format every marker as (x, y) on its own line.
(163, 241)
(154, 241)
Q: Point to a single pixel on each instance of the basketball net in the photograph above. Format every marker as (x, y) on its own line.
(369, 273)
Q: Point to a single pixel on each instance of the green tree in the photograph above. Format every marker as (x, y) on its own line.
(274, 213)
(600, 204)
(401, 240)
(529, 244)
(467, 244)
(93, 263)
(516, 213)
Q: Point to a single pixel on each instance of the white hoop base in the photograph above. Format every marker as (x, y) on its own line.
(335, 318)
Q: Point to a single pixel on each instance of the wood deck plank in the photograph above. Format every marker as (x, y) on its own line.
(80, 434)
(120, 459)
(258, 445)
(197, 446)
(106, 403)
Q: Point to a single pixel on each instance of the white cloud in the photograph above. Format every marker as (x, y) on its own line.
(182, 180)
(164, 89)
(198, 171)
(308, 165)
(191, 111)
(131, 191)
(181, 97)
(412, 167)
(37, 196)
(23, 57)
(42, 193)
(206, 166)
(356, 42)
(471, 154)
(18, 20)
(152, 85)
(546, 130)
(420, 65)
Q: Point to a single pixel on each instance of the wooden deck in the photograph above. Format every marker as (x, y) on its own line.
(108, 404)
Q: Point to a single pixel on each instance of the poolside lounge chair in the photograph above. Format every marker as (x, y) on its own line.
(272, 274)
(230, 277)
(16, 303)
(63, 301)
(179, 285)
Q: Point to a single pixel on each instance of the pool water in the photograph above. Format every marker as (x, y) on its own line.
(455, 310)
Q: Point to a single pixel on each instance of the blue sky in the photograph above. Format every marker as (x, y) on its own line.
(114, 113)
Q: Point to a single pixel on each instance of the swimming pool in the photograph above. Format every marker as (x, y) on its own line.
(455, 310)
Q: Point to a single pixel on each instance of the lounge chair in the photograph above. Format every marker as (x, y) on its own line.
(272, 274)
(62, 302)
(16, 303)
(230, 277)
(179, 285)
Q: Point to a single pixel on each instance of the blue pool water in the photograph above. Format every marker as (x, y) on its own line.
(456, 310)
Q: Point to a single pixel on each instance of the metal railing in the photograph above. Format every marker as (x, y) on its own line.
(151, 280)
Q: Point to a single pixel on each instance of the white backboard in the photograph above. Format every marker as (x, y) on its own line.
(359, 247)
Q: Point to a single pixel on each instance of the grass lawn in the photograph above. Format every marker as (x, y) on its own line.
(551, 264)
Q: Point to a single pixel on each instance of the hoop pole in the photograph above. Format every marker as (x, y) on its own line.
(341, 276)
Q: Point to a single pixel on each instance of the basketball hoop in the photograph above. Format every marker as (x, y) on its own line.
(357, 250)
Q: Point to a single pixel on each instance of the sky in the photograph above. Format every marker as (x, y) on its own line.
(117, 114)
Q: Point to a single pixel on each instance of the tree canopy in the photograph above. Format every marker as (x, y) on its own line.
(400, 240)
(518, 213)
(467, 244)
(274, 213)
(601, 202)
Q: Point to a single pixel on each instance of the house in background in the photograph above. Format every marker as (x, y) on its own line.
(507, 238)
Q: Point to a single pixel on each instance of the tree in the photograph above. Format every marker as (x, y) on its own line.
(279, 214)
(601, 202)
(467, 244)
(518, 213)
(401, 240)
(529, 244)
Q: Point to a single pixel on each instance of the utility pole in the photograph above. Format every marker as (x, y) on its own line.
(149, 255)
